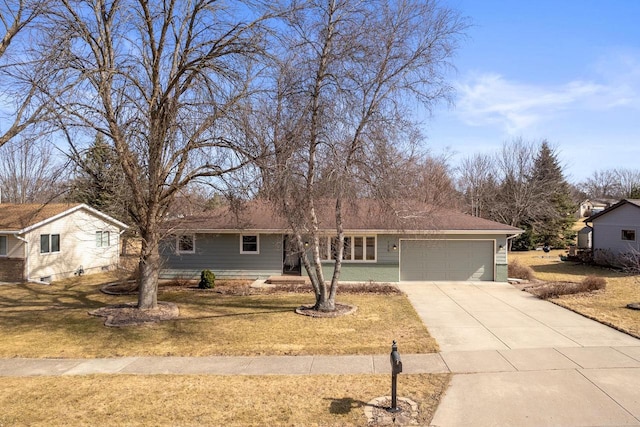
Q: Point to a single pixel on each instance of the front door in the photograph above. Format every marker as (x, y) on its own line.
(291, 257)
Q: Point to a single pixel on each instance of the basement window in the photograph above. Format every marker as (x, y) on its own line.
(629, 235)
(3, 245)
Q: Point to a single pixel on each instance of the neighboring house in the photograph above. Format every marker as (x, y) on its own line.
(591, 207)
(420, 244)
(45, 242)
(616, 229)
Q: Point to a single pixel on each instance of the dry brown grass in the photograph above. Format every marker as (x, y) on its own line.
(163, 400)
(52, 321)
(607, 306)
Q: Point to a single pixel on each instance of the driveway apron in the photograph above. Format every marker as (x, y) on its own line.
(518, 360)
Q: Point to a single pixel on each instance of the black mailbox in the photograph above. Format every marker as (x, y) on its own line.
(396, 362)
(396, 368)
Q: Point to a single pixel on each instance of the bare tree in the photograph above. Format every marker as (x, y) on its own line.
(477, 182)
(612, 184)
(29, 172)
(627, 182)
(517, 199)
(21, 70)
(348, 72)
(165, 83)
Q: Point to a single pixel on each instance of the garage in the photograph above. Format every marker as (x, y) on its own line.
(451, 260)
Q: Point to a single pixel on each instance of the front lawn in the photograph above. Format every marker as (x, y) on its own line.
(207, 400)
(52, 321)
(607, 306)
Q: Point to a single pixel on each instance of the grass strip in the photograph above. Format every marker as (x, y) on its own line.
(163, 400)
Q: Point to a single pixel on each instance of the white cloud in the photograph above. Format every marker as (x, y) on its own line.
(492, 100)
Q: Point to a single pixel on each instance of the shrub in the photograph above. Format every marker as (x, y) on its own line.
(604, 257)
(207, 279)
(552, 290)
(519, 271)
(594, 283)
(556, 289)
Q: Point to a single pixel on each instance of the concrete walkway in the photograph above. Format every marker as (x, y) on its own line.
(526, 362)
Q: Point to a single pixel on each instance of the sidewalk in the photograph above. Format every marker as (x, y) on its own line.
(580, 359)
(574, 386)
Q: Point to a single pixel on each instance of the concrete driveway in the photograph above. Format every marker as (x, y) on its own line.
(518, 360)
(465, 316)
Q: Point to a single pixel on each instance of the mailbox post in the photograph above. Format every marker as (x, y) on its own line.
(396, 368)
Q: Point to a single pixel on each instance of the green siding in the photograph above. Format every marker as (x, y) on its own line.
(362, 272)
(220, 253)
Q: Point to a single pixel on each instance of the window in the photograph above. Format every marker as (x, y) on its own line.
(102, 239)
(356, 248)
(629, 235)
(49, 243)
(186, 244)
(249, 244)
(3, 245)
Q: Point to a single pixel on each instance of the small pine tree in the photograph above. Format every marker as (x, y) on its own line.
(553, 223)
(207, 280)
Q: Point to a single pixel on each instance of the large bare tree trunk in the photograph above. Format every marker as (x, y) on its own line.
(149, 272)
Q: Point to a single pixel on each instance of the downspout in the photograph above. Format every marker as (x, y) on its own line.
(508, 246)
(26, 258)
(593, 235)
(119, 243)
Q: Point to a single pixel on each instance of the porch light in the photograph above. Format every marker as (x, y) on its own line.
(306, 244)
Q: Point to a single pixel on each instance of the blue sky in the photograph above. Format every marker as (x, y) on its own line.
(566, 71)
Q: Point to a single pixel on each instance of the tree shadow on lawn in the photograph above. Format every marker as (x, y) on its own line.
(35, 297)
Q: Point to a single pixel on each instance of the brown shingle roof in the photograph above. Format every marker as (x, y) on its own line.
(359, 216)
(16, 217)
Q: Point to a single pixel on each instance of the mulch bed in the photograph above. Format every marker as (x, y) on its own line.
(130, 315)
(243, 287)
(341, 310)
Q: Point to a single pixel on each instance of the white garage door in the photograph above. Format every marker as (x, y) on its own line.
(446, 260)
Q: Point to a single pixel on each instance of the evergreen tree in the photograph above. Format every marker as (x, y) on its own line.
(99, 181)
(553, 222)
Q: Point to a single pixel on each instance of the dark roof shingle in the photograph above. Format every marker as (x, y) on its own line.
(361, 215)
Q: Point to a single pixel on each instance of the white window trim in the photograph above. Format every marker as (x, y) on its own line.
(328, 258)
(102, 233)
(50, 252)
(257, 251)
(181, 252)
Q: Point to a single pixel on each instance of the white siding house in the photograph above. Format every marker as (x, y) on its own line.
(617, 228)
(55, 241)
